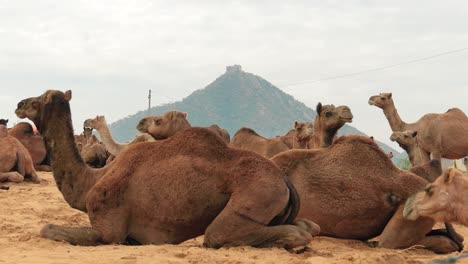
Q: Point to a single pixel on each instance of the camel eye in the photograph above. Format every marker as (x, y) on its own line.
(158, 122)
(328, 114)
(428, 190)
(20, 104)
(406, 136)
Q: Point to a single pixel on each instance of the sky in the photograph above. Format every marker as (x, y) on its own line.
(110, 53)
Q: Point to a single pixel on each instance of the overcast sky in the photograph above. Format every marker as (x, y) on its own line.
(111, 52)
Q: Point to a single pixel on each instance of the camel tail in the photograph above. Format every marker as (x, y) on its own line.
(288, 215)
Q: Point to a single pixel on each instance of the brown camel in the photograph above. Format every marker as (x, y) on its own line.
(4, 122)
(16, 163)
(91, 150)
(444, 200)
(303, 132)
(429, 170)
(165, 125)
(169, 123)
(33, 142)
(247, 139)
(352, 190)
(328, 121)
(100, 124)
(442, 135)
(168, 191)
(223, 133)
(408, 141)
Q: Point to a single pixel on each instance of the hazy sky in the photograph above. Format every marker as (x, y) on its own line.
(111, 52)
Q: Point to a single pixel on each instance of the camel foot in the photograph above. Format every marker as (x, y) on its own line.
(310, 227)
(82, 236)
(439, 244)
(13, 176)
(45, 168)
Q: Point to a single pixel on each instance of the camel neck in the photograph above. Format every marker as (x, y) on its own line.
(462, 206)
(322, 137)
(72, 175)
(300, 143)
(417, 155)
(394, 118)
(110, 144)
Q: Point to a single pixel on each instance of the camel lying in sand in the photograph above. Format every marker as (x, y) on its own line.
(168, 191)
(91, 150)
(408, 141)
(352, 190)
(16, 163)
(442, 135)
(445, 200)
(248, 139)
(169, 123)
(327, 122)
(100, 124)
(33, 142)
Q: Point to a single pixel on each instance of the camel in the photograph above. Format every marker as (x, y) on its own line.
(169, 123)
(168, 191)
(352, 190)
(165, 125)
(16, 162)
(444, 200)
(100, 124)
(4, 122)
(247, 139)
(327, 122)
(429, 170)
(33, 142)
(223, 133)
(442, 135)
(303, 132)
(408, 141)
(91, 150)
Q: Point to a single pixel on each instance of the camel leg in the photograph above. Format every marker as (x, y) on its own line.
(403, 233)
(39, 167)
(83, 236)
(11, 176)
(35, 178)
(244, 221)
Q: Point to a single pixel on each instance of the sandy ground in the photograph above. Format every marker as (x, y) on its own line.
(26, 207)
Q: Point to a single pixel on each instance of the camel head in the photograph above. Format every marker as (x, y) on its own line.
(381, 100)
(3, 122)
(406, 138)
(331, 117)
(95, 123)
(440, 200)
(303, 130)
(164, 126)
(3, 131)
(33, 107)
(87, 132)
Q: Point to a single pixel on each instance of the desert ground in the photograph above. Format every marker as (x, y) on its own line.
(26, 207)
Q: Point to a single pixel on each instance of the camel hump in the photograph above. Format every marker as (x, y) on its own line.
(200, 133)
(455, 111)
(246, 130)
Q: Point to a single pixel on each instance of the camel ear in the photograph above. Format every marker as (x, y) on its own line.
(318, 109)
(389, 95)
(295, 124)
(185, 114)
(68, 95)
(415, 133)
(449, 175)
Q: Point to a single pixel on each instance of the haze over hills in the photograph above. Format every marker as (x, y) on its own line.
(236, 99)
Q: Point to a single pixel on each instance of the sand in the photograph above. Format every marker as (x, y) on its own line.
(26, 207)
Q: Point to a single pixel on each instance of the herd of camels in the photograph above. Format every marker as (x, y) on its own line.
(175, 182)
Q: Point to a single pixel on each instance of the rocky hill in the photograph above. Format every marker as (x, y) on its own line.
(236, 99)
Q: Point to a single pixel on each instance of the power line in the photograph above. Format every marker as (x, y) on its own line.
(375, 69)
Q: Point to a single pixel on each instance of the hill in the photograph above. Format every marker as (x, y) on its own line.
(236, 99)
